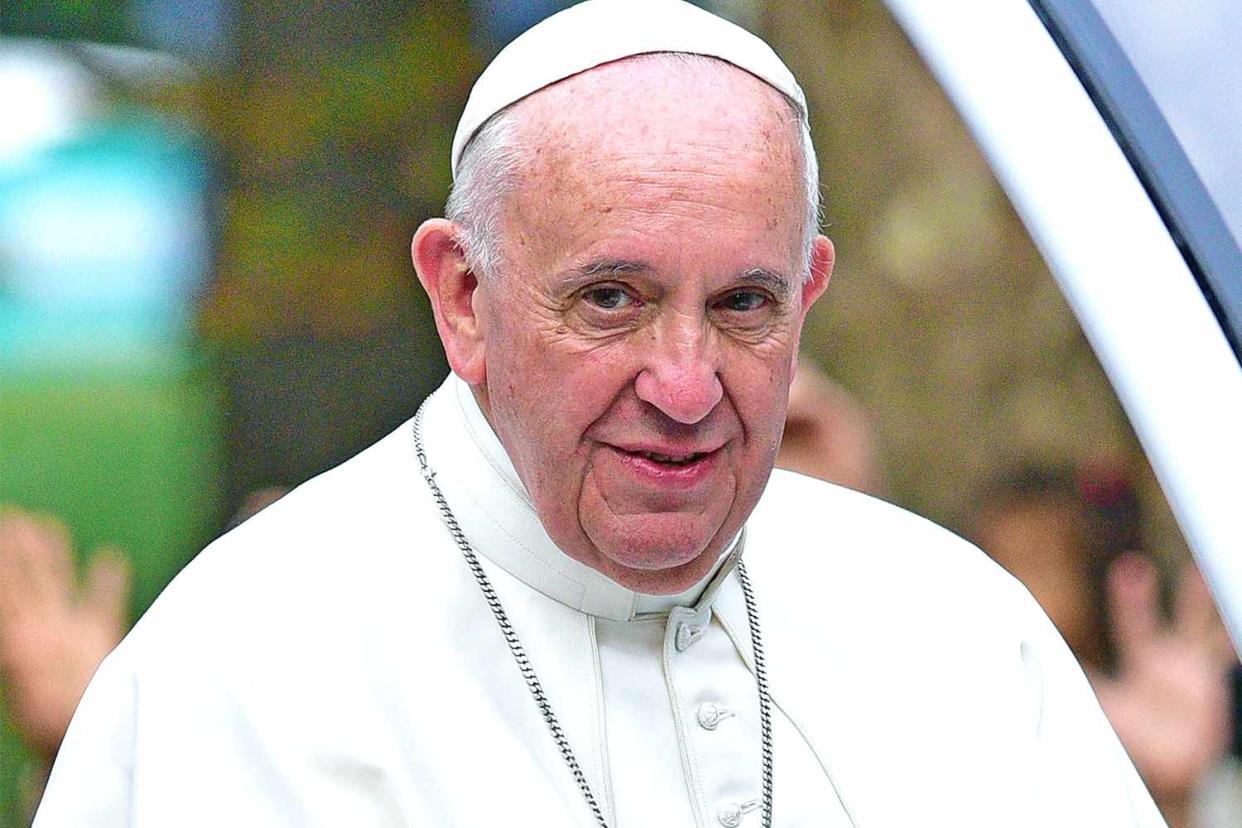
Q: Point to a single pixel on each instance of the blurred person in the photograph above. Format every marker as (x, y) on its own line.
(1034, 523)
(619, 288)
(828, 434)
(1075, 541)
(256, 501)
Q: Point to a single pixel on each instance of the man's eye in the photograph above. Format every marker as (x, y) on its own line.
(608, 298)
(744, 300)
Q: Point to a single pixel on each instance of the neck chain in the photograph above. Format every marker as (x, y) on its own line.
(528, 670)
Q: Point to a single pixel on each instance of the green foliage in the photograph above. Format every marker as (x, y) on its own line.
(98, 20)
(331, 163)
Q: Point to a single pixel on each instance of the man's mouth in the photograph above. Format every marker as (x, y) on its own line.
(671, 459)
(665, 468)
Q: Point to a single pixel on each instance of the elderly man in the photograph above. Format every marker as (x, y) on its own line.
(528, 605)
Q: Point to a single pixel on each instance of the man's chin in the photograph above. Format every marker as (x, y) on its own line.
(659, 560)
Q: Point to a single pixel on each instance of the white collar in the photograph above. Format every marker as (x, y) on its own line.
(499, 519)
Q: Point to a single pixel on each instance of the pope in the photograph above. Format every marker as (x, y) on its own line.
(571, 590)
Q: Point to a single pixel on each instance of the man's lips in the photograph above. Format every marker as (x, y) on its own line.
(665, 452)
(667, 465)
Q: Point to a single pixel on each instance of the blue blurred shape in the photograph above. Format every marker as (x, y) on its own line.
(499, 21)
(103, 242)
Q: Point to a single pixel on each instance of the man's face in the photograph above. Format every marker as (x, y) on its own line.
(641, 331)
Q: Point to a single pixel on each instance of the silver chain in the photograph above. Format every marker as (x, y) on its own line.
(765, 700)
(528, 670)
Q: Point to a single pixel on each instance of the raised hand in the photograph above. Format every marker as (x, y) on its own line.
(53, 631)
(1169, 699)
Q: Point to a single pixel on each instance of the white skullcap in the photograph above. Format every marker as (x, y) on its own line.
(595, 32)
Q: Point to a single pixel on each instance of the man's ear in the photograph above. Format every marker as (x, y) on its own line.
(823, 255)
(451, 285)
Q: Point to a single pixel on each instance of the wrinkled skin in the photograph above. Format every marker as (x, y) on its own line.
(635, 351)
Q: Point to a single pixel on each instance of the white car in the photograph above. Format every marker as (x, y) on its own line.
(1115, 127)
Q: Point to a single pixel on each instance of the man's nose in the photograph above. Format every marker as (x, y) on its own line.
(680, 378)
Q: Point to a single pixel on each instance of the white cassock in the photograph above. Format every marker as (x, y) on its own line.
(332, 662)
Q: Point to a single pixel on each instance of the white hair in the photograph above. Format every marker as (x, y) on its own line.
(489, 165)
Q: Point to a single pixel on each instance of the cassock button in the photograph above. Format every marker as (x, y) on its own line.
(710, 715)
(687, 634)
(730, 816)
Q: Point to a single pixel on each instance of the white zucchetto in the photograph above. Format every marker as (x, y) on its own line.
(596, 32)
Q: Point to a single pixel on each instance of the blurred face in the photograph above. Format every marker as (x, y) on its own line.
(1040, 544)
(640, 336)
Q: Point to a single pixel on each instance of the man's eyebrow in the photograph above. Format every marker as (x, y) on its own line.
(610, 267)
(595, 269)
(773, 281)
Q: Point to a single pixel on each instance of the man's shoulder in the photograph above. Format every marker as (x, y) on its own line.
(347, 504)
(880, 594)
(832, 515)
(833, 535)
(322, 547)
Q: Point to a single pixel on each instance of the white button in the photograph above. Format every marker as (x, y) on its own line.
(730, 816)
(710, 715)
(687, 634)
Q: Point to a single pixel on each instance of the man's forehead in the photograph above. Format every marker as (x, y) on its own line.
(598, 32)
(657, 103)
(640, 147)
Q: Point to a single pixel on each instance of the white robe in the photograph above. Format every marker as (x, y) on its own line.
(332, 662)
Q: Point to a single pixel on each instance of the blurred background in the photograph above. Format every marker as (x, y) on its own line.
(205, 286)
